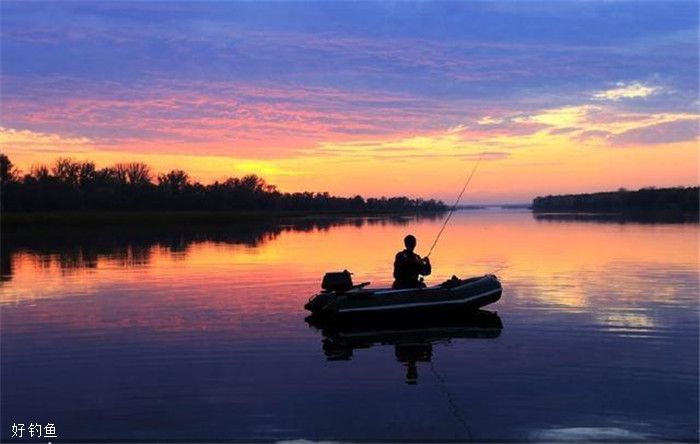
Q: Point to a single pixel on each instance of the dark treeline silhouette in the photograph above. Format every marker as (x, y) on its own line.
(678, 200)
(71, 185)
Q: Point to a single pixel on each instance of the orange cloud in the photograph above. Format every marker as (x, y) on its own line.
(301, 139)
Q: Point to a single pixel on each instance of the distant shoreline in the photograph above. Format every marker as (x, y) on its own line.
(676, 201)
(17, 219)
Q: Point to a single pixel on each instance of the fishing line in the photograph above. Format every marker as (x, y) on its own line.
(500, 268)
(450, 399)
(449, 215)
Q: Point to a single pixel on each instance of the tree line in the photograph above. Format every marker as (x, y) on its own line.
(645, 200)
(71, 185)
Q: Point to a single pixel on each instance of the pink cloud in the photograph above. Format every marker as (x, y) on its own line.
(669, 132)
(223, 118)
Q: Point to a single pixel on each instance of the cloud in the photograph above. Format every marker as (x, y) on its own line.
(401, 53)
(592, 134)
(668, 132)
(627, 91)
(560, 117)
(488, 120)
(612, 126)
(30, 141)
(559, 131)
(234, 118)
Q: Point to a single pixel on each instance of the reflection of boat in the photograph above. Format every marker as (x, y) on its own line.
(412, 340)
(454, 294)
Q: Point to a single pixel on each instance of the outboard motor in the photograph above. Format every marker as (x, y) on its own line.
(337, 281)
(333, 283)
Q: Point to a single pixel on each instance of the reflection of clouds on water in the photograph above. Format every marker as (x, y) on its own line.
(626, 321)
(587, 434)
(626, 299)
(624, 286)
(623, 320)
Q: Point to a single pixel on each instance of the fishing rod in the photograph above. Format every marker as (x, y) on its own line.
(449, 215)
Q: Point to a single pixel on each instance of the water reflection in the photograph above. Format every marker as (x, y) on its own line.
(133, 245)
(412, 338)
(196, 333)
(621, 218)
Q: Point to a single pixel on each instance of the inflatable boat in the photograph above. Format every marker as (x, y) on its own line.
(341, 298)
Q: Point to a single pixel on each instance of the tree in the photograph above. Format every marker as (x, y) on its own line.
(66, 170)
(133, 173)
(77, 185)
(252, 183)
(87, 173)
(176, 181)
(40, 172)
(8, 172)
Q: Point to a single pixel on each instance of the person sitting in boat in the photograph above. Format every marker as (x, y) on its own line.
(408, 266)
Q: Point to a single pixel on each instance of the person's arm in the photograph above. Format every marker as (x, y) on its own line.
(426, 267)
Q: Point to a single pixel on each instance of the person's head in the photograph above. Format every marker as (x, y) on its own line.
(410, 242)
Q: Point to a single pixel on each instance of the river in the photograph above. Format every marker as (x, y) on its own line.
(198, 333)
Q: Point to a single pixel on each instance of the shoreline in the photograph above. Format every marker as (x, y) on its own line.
(645, 201)
(18, 219)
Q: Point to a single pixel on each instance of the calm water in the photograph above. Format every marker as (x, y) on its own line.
(182, 333)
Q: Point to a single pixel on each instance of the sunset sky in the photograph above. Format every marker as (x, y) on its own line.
(361, 97)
